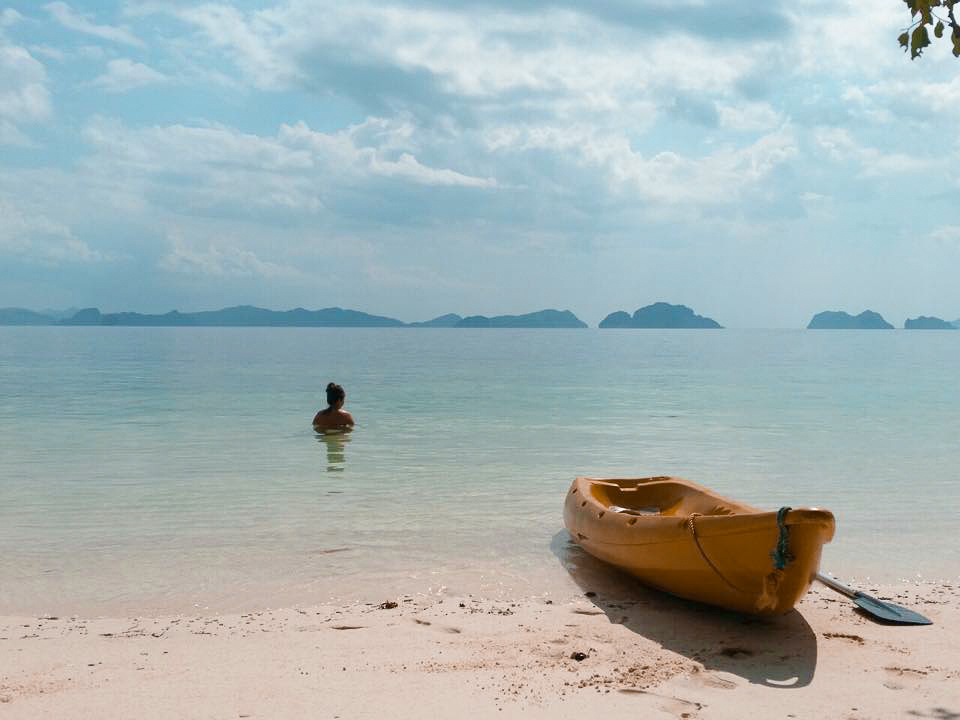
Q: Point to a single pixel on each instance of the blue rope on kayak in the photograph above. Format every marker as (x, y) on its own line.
(781, 553)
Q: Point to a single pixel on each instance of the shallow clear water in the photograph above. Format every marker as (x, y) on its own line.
(153, 469)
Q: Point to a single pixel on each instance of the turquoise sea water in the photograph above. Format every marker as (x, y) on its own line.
(160, 469)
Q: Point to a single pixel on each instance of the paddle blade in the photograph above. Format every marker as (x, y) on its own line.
(888, 612)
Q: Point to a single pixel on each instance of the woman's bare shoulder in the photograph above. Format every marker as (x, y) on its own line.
(332, 420)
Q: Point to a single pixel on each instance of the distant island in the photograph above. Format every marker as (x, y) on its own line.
(541, 319)
(928, 323)
(21, 316)
(839, 320)
(239, 316)
(250, 316)
(448, 320)
(659, 315)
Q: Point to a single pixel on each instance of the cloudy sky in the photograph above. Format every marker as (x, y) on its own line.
(758, 162)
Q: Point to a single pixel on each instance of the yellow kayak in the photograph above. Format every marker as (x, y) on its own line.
(682, 538)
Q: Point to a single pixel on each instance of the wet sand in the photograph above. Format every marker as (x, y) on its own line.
(618, 650)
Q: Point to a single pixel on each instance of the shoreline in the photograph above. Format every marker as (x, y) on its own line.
(451, 656)
(563, 573)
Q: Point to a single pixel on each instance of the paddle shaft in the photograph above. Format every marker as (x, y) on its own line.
(836, 585)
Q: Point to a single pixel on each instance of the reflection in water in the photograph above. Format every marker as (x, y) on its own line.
(336, 441)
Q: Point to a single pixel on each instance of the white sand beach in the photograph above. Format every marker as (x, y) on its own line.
(644, 654)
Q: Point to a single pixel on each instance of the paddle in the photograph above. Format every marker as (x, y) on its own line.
(887, 612)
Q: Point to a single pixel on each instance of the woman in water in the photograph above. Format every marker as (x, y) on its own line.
(334, 417)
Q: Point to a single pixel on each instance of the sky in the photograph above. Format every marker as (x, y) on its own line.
(758, 162)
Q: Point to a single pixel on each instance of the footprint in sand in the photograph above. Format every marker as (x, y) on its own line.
(677, 706)
(681, 708)
(907, 672)
(715, 681)
(844, 636)
(448, 629)
(899, 677)
(700, 679)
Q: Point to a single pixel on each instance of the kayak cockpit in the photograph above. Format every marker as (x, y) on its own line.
(660, 496)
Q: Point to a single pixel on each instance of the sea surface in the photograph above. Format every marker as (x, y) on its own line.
(170, 469)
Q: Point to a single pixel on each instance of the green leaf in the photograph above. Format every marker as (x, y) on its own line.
(923, 7)
(918, 41)
(904, 41)
(938, 30)
(956, 43)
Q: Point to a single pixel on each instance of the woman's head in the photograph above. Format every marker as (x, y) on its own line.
(335, 394)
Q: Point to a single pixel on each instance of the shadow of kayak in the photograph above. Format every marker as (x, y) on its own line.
(776, 651)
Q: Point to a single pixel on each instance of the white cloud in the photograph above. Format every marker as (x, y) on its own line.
(817, 205)
(35, 237)
(24, 98)
(220, 260)
(749, 116)
(220, 169)
(23, 92)
(376, 147)
(841, 146)
(947, 235)
(63, 14)
(189, 148)
(10, 134)
(558, 60)
(718, 178)
(9, 17)
(925, 98)
(250, 41)
(123, 74)
(48, 51)
(863, 105)
(667, 177)
(407, 166)
(833, 39)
